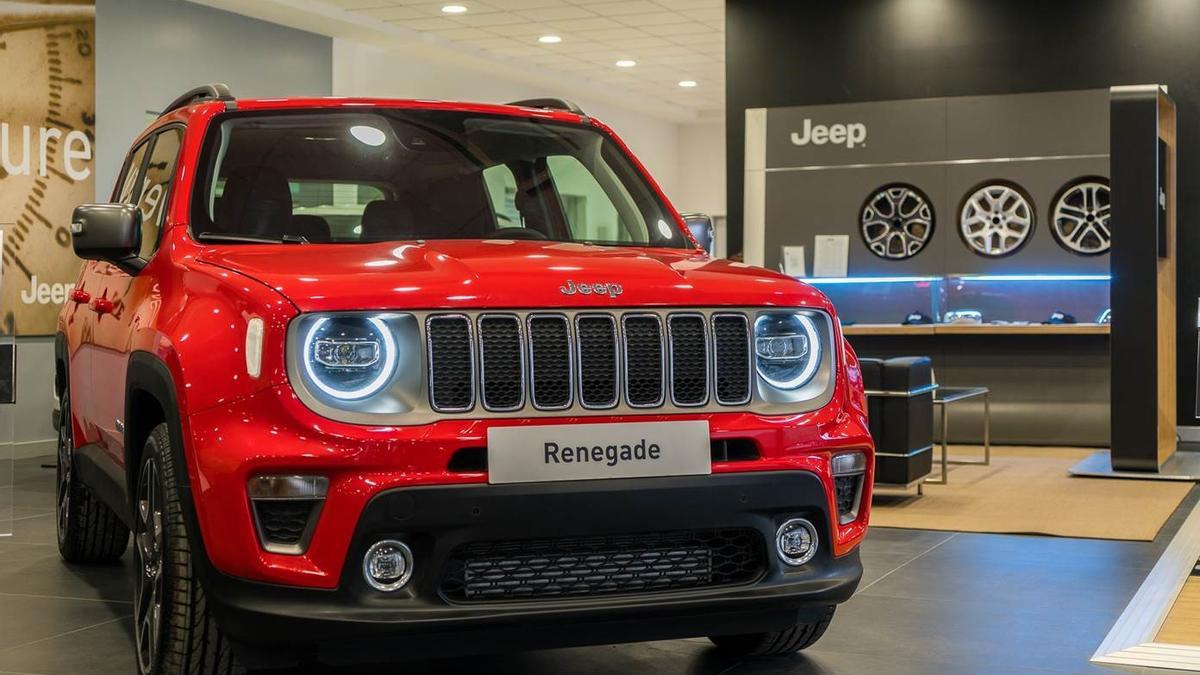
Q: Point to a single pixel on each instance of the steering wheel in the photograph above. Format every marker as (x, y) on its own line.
(515, 233)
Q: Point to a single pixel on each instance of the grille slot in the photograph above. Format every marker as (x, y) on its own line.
(550, 358)
(644, 363)
(285, 525)
(731, 348)
(689, 359)
(847, 490)
(603, 565)
(501, 363)
(451, 363)
(596, 337)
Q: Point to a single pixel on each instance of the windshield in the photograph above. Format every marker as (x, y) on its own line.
(394, 175)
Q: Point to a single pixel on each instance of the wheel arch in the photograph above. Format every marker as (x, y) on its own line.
(151, 399)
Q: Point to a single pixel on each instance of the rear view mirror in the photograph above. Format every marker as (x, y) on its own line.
(108, 232)
(701, 226)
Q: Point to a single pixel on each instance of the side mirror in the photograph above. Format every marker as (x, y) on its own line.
(701, 226)
(108, 232)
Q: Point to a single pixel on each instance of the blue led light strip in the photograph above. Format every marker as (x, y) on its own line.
(1036, 277)
(980, 277)
(867, 280)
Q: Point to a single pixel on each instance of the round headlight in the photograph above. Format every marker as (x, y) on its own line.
(787, 349)
(349, 357)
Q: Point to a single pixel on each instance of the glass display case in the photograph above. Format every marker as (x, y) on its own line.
(1029, 299)
(1013, 299)
(882, 300)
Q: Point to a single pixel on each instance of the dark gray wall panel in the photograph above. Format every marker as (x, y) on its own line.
(803, 204)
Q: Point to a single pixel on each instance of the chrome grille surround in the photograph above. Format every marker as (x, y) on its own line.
(408, 399)
(662, 359)
(583, 370)
(706, 344)
(483, 361)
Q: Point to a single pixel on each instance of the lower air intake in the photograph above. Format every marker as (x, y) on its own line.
(609, 565)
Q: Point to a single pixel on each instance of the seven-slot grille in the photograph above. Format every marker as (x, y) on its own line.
(596, 360)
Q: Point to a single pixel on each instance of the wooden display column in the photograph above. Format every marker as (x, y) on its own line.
(1142, 157)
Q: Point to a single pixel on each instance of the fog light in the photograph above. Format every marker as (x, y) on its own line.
(388, 565)
(796, 541)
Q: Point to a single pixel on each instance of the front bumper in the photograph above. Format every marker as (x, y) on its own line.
(273, 433)
(354, 624)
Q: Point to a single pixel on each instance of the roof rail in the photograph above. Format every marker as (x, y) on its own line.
(551, 103)
(215, 91)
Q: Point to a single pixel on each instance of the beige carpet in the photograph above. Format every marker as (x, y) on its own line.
(1029, 491)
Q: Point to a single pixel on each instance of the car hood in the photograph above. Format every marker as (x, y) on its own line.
(472, 274)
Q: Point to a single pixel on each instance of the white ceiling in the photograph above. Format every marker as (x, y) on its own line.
(671, 40)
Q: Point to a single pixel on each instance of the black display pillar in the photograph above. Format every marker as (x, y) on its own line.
(1142, 156)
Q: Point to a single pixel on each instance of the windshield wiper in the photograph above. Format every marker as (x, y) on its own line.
(251, 238)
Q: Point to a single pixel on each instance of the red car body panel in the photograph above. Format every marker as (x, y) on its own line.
(190, 306)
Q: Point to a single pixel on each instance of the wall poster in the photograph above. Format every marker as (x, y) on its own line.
(47, 136)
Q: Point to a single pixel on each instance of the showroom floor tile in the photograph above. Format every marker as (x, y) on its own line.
(930, 602)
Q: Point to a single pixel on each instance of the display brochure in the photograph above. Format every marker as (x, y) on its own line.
(831, 255)
(793, 261)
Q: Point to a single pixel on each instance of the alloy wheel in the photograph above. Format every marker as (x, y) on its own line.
(66, 459)
(896, 222)
(996, 220)
(1080, 219)
(149, 552)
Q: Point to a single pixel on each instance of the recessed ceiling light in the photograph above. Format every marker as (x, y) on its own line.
(626, 63)
(454, 9)
(550, 39)
(687, 84)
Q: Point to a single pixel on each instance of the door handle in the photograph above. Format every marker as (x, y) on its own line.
(102, 305)
(80, 296)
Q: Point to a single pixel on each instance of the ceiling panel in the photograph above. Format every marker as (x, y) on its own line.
(670, 39)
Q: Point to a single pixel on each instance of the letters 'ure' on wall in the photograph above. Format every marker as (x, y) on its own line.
(47, 136)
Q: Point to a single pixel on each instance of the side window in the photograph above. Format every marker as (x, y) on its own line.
(133, 175)
(156, 186)
(502, 194)
(590, 213)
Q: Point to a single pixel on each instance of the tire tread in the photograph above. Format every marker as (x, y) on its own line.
(193, 643)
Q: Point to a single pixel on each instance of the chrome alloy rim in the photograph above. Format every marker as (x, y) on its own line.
(148, 548)
(996, 220)
(1080, 220)
(896, 222)
(65, 466)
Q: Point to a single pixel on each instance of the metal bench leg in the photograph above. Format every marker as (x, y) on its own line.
(987, 436)
(944, 478)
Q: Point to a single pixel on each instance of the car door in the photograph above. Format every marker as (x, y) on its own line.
(87, 297)
(127, 303)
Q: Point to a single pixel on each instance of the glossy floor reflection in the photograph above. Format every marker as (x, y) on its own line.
(931, 602)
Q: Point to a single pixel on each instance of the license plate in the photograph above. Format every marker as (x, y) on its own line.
(594, 451)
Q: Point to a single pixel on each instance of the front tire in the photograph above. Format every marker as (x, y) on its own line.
(88, 531)
(175, 635)
(777, 643)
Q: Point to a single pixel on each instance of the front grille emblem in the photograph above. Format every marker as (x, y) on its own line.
(610, 289)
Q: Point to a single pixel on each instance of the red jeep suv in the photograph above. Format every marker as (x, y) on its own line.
(375, 379)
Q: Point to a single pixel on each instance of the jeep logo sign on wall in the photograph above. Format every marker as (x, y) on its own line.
(849, 135)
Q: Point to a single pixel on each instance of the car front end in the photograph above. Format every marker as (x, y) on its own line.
(479, 444)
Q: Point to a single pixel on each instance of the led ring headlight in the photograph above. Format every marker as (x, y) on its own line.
(787, 349)
(349, 358)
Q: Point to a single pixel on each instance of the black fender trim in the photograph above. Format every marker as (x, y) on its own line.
(147, 373)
